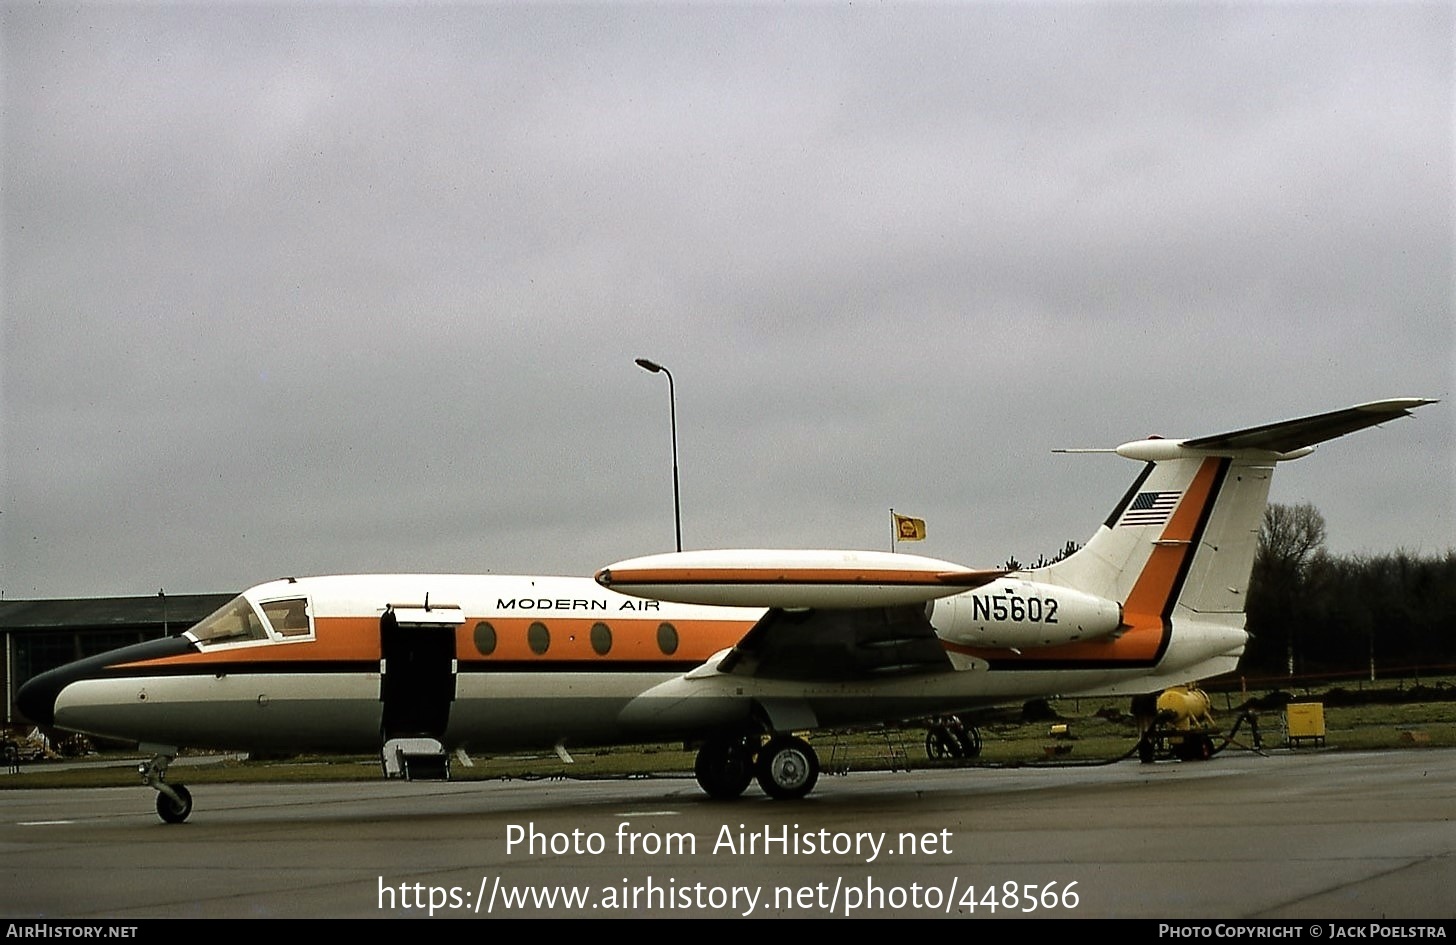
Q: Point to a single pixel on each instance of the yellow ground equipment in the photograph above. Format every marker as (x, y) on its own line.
(1304, 721)
(1179, 724)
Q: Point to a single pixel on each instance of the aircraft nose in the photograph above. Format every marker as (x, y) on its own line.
(37, 697)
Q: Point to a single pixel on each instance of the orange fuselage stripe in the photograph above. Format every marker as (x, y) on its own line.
(356, 639)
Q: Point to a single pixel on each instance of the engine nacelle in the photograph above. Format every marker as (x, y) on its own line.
(1013, 614)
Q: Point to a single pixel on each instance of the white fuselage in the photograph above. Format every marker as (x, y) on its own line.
(532, 662)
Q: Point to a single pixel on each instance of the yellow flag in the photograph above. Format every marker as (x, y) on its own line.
(909, 529)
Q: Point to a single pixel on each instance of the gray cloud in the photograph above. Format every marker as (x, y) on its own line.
(291, 289)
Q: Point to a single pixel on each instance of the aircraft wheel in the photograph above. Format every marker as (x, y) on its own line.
(970, 739)
(167, 808)
(1146, 751)
(787, 768)
(939, 745)
(724, 767)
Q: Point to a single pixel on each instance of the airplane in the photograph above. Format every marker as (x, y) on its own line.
(730, 651)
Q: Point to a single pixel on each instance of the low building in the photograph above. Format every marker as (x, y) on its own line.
(42, 634)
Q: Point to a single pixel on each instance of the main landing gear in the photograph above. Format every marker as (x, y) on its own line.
(174, 802)
(948, 737)
(786, 768)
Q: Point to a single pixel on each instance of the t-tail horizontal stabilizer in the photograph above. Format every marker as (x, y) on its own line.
(1290, 435)
(1177, 551)
(1284, 440)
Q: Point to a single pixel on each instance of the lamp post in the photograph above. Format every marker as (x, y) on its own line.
(655, 368)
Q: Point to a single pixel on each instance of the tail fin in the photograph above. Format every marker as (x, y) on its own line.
(1181, 542)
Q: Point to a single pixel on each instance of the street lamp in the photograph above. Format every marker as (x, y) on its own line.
(655, 368)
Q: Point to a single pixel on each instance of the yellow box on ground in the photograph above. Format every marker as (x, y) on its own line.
(1305, 720)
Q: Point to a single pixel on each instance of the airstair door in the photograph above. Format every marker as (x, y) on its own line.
(417, 685)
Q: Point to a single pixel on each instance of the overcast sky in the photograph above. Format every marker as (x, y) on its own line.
(300, 289)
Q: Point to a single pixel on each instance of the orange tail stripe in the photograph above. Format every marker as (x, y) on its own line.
(1150, 596)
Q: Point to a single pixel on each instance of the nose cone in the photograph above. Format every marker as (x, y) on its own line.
(37, 698)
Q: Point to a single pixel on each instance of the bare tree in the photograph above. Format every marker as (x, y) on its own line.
(1290, 540)
(1291, 543)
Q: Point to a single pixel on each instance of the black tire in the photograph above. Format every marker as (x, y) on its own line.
(1146, 752)
(970, 739)
(788, 768)
(167, 808)
(724, 767)
(940, 745)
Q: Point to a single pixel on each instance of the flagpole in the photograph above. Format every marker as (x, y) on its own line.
(892, 531)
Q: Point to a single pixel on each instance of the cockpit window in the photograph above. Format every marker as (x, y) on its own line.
(235, 621)
(288, 617)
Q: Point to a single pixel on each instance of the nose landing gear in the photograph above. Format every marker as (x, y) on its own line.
(174, 802)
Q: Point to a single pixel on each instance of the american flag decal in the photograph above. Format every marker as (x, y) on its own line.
(1151, 508)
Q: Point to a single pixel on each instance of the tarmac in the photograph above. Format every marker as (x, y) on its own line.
(1306, 834)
